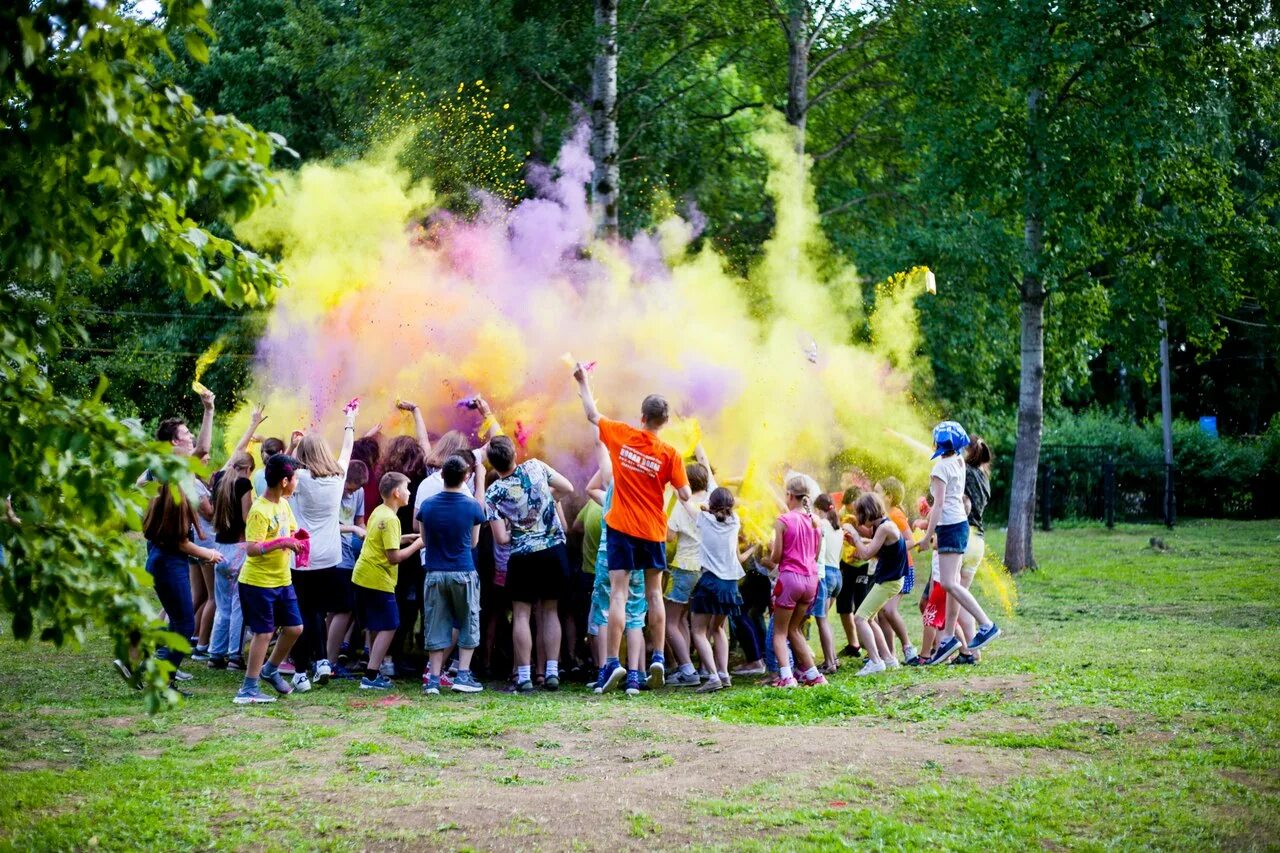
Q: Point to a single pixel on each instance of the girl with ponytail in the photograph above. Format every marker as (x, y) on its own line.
(796, 541)
(716, 596)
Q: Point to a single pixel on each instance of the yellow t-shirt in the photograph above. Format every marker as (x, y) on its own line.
(267, 521)
(373, 569)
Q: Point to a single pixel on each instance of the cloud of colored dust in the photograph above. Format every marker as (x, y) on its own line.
(391, 299)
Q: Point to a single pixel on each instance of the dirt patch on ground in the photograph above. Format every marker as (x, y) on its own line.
(1005, 686)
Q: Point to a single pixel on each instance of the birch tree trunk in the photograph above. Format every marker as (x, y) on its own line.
(798, 69)
(604, 119)
(1018, 553)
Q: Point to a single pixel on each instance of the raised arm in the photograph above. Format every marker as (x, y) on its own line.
(584, 392)
(256, 417)
(419, 425)
(204, 440)
(489, 427)
(348, 437)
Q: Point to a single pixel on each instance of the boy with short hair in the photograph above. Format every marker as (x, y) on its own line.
(375, 574)
(521, 507)
(270, 447)
(267, 599)
(450, 523)
(643, 465)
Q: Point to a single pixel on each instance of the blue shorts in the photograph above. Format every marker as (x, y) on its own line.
(835, 581)
(819, 606)
(682, 583)
(630, 554)
(377, 609)
(266, 608)
(953, 538)
(351, 547)
(637, 605)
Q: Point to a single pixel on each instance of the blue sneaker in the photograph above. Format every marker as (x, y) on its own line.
(610, 674)
(252, 696)
(984, 636)
(340, 671)
(279, 682)
(634, 681)
(657, 670)
(379, 683)
(466, 682)
(946, 649)
(432, 686)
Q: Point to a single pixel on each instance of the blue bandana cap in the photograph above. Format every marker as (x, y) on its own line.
(949, 437)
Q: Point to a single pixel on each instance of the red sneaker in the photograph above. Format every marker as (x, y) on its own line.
(814, 682)
(783, 683)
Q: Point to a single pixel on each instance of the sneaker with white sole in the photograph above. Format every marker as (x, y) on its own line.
(984, 636)
(279, 682)
(891, 663)
(379, 683)
(871, 667)
(201, 655)
(182, 675)
(946, 649)
(252, 696)
(300, 682)
(388, 669)
(466, 682)
(431, 686)
(657, 671)
(323, 671)
(683, 679)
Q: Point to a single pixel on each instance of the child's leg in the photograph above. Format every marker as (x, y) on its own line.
(339, 623)
(966, 625)
(896, 624)
(657, 607)
(826, 639)
(618, 582)
(851, 635)
(957, 596)
(635, 648)
(220, 636)
(927, 640)
(867, 639)
(883, 643)
(800, 650)
(678, 634)
(379, 647)
(199, 594)
(549, 633)
(521, 635)
(779, 625)
(257, 654)
(720, 635)
(288, 636)
(701, 638)
(205, 626)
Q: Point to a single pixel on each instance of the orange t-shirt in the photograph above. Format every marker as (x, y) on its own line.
(643, 464)
(898, 517)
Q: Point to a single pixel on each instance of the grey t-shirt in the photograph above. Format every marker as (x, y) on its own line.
(316, 503)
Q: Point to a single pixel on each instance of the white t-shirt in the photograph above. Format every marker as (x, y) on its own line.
(685, 527)
(718, 546)
(434, 485)
(832, 543)
(950, 470)
(316, 505)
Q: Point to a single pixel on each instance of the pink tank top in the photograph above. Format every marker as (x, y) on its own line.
(800, 543)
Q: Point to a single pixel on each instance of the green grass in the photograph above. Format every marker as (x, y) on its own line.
(1131, 704)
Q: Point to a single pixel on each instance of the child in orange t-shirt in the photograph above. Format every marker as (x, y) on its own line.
(891, 623)
(643, 465)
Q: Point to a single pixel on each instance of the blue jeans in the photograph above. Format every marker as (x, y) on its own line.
(770, 659)
(173, 587)
(228, 623)
(749, 635)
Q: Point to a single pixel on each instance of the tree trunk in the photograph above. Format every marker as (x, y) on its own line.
(604, 119)
(798, 70)
(1026, 458)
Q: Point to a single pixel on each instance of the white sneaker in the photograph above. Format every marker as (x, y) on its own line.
(324, 671)
(909, 651)
(891, 663)
(388, 669)
(871, 668)
(182, 675)
(300, 682)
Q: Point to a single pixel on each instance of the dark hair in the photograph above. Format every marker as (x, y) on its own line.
(168, 429)
(501, 453)
(169, 518)
(391, 481)
(279, 468)
(270, 447)
(977, 453)
(357, 473)
(720, 504)
(869, 507)
(226, 508)
(823, 504)
(367, 450)
(699, 476)
(850, 497)
(654, 410)
(405, 456)
(455, 469)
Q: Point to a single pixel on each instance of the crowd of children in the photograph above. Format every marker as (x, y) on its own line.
(438, 561)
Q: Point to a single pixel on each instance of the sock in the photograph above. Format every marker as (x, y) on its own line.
(463, 672)
(522, 674)
(723, 676)
(811, 673)
(686, 669)
(269, 669)
(784, 672)
(553, 669)
(249, 684)
(636, 674)
(944, 639)
(658, 658)
(370, 673)
(610, 663)
(986, 627)
(203, 648)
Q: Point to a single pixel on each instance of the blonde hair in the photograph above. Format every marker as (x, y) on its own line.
(445, 446)
(314, 455)
(894, 492)
(798, 487)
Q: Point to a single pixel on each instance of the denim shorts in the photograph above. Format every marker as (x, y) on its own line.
(953, 538)
(452, 598)
(835, 582)
(266, 608)
(819, 606)
(637, 605)
(682, 583)
(630, 554)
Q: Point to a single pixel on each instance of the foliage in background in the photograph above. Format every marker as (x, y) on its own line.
(102, 162)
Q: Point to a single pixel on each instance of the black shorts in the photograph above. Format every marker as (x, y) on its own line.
(325, 590)
(855, 582)
(537, 576)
